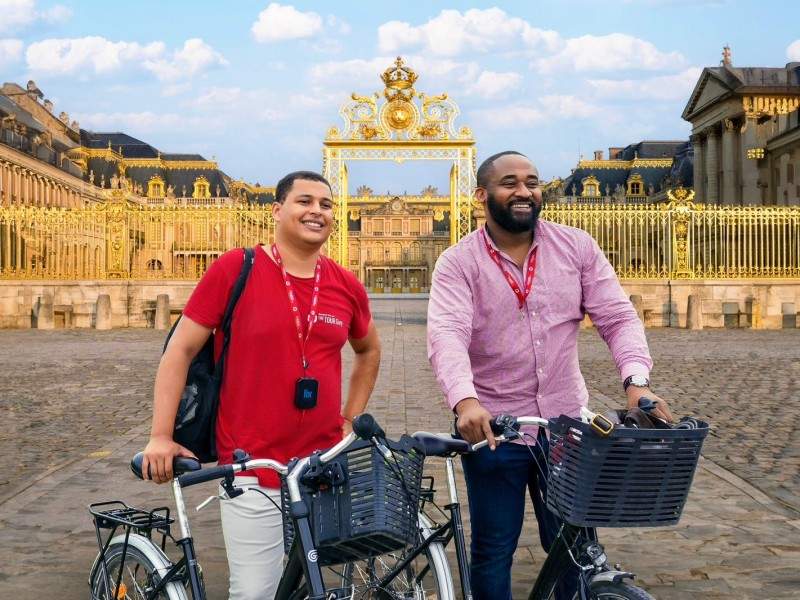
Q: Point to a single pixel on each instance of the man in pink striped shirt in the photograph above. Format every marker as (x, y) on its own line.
(505, 306)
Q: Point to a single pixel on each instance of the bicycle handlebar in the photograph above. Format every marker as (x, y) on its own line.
(365, 427)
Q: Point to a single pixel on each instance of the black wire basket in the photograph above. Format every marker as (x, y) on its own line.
(372, 512)
(631, 478)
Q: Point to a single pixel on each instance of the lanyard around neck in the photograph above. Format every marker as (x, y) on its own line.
(312, 312)
(521, 294)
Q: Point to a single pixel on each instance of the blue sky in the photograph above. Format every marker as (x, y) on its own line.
(256, 84)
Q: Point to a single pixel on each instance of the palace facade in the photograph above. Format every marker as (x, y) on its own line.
(746, 134)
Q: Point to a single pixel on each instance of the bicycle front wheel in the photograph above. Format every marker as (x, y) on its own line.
(142, 569)
(427, 576)
(608, 590)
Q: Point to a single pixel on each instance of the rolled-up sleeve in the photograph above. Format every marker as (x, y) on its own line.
(613, 314)
(450, 311)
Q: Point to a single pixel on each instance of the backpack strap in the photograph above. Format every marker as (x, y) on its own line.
(247, 264)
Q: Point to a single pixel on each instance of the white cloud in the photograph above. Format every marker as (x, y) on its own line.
(69, 56)
(793, 51)
(147, 122)
(613, 52)
(194, 57)
(338, 25)
(99, 55)
(10, 51)
(279, 22)
(490, 84)
(665, 87)
(545, 109)
(18, 14)
(452, 33)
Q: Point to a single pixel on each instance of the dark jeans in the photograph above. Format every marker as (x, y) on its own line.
(496, 485)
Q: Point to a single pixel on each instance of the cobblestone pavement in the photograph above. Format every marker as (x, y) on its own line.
(75, 407)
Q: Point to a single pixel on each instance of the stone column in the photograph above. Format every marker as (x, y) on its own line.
(699, 169)
(694, 312)
(730, 190)
(103, 312)
(46, 316)
(636, 301)
(751, 194)
(162, 316)
(712, 167)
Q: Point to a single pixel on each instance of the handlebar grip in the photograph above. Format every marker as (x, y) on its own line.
(204, 475)
(501, 423)
(366, 428)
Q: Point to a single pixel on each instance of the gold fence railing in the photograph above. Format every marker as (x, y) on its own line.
(123, 239)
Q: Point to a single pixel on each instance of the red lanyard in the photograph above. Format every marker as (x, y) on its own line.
(522, 295)
(312, 313)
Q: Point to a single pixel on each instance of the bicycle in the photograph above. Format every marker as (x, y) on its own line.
(327, 524)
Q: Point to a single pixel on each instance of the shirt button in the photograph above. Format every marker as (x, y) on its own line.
(538, 342)
(540, 370)
(533, 312)
(538, 396)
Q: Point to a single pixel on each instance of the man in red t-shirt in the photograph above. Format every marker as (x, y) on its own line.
(295, 314)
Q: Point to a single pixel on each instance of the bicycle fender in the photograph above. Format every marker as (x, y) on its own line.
(154, 554)
(612, 576)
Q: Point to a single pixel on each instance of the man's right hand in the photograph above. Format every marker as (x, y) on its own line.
(158, 456)
(474, 422)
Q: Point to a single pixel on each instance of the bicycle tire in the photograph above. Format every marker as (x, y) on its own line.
(428, 573)
(145, 564)
(357, 580)
(608, 590)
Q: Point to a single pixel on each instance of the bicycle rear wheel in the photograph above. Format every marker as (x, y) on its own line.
(142, 570)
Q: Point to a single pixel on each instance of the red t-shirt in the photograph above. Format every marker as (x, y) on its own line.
(257, 411)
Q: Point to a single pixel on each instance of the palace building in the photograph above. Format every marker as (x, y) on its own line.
(746, 134)
(638, 173)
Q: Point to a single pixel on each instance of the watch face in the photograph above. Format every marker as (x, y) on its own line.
(639, 381)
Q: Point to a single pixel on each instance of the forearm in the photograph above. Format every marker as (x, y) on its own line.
(169, 385)
(362, 382)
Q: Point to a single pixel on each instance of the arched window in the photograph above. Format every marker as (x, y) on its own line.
(154, 265)
(202, 189)
(591, 187)
(635, 185)
(397, 252)
(155, 187)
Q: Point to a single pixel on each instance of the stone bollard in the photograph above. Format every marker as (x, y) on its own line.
(46, 317)
(638, 306)
(103, 312)
(755, 314)
(694, 312)
(162, 318)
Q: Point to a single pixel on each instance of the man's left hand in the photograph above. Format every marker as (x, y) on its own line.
(661, 410)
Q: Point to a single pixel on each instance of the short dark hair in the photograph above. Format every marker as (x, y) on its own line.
(486, 166)
(287, 181)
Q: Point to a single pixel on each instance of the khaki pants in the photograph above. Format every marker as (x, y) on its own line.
(253, 532)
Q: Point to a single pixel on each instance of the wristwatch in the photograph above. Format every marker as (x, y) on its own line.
(635, 381)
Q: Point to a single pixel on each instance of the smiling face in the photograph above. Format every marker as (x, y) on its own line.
(512, 194)
(305, 217)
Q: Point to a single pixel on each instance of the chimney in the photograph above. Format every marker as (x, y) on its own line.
(614, 152)
(598, 155)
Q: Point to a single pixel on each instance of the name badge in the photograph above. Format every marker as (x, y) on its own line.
(305, 393)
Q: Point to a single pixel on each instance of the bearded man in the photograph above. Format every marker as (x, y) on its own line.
(505, 306)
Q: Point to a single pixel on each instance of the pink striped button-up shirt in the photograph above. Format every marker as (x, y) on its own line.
(525, 361)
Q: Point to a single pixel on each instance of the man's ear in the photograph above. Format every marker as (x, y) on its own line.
(276, 210)
(480, 194)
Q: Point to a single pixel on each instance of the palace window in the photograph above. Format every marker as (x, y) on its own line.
(414, 227)
(635, 185)
(202, 189)
(591, 187)
(377, 227)
(155, 187)
(397, 227)
(397, 252)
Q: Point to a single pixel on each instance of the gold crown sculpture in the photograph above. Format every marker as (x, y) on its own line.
(399, 81)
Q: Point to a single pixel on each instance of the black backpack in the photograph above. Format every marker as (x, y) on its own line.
(196, 420)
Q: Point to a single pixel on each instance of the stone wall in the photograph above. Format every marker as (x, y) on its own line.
(724, 303)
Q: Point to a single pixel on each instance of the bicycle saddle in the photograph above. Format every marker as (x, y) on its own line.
(180, 465)
(441, 444)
